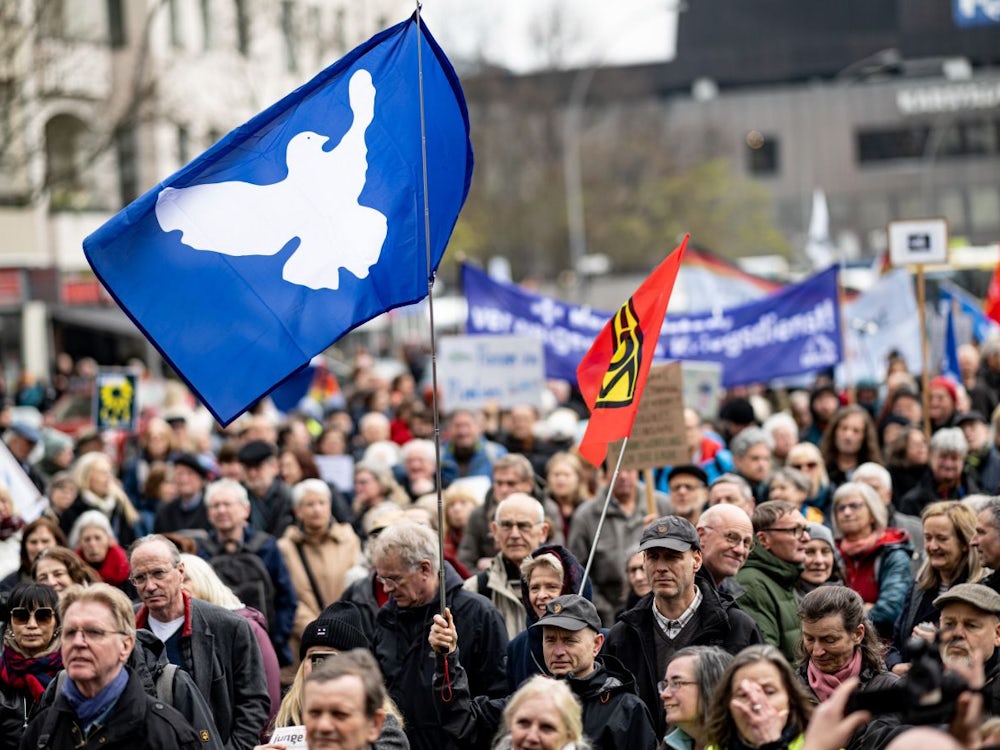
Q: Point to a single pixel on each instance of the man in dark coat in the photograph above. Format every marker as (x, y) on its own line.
(613, 715)
(678, 612)
(405, 556)
(215, 646)
(100, 703)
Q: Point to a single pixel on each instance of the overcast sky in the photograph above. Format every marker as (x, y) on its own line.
(590, 31)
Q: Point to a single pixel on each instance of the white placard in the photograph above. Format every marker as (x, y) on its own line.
(337, 470)
(293, 738)
(918, 242)
(477, 370)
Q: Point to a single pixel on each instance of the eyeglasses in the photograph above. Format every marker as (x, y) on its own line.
(140, 579)
(806, 465)
(90, 635)
(685, 487)
(321, 656)
(394, 580)
(732, 538)
(524, 527)
(23, 615)
(854, 507)
(798, 530)
(674, 685)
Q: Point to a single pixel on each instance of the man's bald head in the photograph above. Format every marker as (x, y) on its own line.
(920, 738)
(519, 526)
(726, 534)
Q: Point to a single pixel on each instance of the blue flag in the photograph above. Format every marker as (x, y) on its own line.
(949, 360)
(298, 226)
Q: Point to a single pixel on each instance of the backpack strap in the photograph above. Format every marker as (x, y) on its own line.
(312, 579)
(165, 684)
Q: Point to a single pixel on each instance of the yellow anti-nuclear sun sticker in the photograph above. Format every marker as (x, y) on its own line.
(619, 384)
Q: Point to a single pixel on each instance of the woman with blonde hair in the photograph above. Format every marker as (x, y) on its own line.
(374, 486)
(806, 457)
(566, 485)
(99, 490)
(543, 715)
(950, 559)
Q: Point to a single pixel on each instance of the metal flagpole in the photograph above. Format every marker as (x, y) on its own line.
(604, 513)
(430, 308)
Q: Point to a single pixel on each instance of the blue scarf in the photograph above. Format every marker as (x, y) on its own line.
(88, 710)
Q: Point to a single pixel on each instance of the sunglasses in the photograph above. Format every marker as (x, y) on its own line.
(21, 615)
(321, 656)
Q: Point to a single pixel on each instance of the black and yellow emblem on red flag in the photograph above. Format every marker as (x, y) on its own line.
(618, 388)
(612, 373)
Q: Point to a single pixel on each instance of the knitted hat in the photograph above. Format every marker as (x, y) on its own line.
(340, 627)
(942, 382)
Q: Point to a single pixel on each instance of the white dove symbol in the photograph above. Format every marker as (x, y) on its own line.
(317, 202)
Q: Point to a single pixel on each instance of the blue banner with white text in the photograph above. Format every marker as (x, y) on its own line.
(792, 332)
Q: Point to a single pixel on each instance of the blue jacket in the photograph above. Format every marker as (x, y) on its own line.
(481, 463)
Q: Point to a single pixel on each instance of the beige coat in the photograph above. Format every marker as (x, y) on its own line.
(329, 556)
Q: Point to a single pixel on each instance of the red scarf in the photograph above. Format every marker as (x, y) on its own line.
(114, 569)
(824, 684)
(31, 673)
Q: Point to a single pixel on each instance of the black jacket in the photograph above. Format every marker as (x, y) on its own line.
(146, 663)
(408, 665)
(723, 624)
(613, 715)
(15, 707)
(139, 722)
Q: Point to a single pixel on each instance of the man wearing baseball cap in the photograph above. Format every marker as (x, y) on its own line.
(679, 611)
(970, 624)
(613, 715)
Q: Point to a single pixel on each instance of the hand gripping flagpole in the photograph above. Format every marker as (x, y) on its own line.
(604, 513)
(430, 308)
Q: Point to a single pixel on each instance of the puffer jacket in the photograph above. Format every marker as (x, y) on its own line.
(883, 570)
(769, 598)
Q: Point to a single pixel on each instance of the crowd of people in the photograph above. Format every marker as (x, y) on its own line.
(823, 571)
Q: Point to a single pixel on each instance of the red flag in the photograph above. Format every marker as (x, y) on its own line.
(613, 372)
(991, 305)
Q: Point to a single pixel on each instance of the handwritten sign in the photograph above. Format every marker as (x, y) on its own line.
(477, 370)
(293, 738)
(658, 433)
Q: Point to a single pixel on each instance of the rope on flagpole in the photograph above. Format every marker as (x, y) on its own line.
(430, 308)
(604, 513)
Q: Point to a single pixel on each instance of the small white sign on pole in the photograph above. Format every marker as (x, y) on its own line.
(478, 370)
(918, 242)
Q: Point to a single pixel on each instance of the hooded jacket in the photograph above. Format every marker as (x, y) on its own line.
(613, 715)
(524, 652)
(769, 598)
(631, 640)
(402, 651)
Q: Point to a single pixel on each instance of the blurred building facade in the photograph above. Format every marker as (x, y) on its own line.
(892, 109)
(101, 99)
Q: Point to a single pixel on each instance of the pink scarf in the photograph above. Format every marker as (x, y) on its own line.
(824, 684)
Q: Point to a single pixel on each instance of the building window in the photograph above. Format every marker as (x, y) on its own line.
(947, 140)
(288, 32)
(207, 29)
(242, 28)
(116, 23)
(762, 154)
(127, 153)
(65, 141)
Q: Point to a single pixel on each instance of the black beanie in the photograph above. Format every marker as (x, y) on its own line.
(340, 628)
